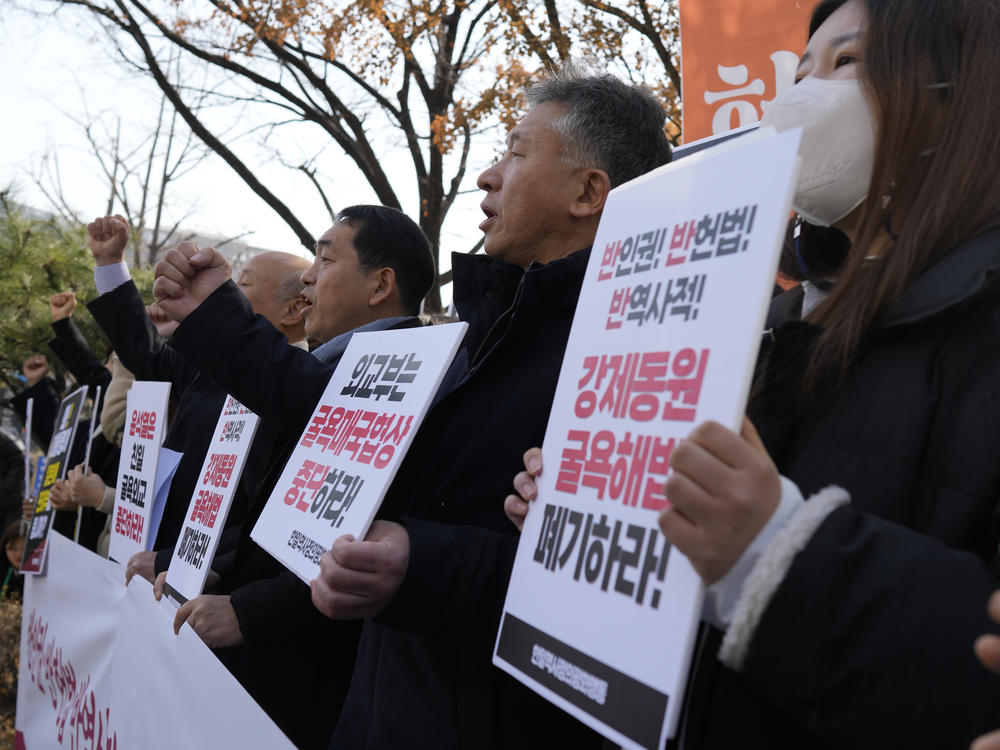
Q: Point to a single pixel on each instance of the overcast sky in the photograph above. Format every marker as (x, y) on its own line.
(56, 68)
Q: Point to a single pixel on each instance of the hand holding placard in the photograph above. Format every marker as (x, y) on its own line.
(359, 579)
(60, 498)
(516, 506)
(85, 487)
(723, 489)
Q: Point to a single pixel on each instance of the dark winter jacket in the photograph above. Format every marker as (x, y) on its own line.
(867, 642)
(296, 662)
(424, 676)
(122, 315)
(72, 349)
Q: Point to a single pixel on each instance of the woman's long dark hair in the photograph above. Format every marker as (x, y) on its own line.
(931, 68)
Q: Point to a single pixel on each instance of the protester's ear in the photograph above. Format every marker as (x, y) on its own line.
(593, 192)
(293, 311)
(383, 286)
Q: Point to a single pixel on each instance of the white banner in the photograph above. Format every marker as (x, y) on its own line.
(68, 628)
(337, 475)
(210, 502)
(101, 668)
(665, 337)
(145, 425)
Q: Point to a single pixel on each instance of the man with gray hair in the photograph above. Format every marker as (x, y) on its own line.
(430, 578)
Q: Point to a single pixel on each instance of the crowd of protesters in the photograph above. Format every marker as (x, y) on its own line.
(847, 534)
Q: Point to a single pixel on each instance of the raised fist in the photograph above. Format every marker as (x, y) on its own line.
(35, 368)
(107, 237)
(186, 276)
(62, 305)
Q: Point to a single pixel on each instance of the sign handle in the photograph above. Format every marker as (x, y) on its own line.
(95, 425)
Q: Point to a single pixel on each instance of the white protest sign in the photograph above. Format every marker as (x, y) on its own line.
(210, 503)
(665, 337)
(145, 424)
(345, 460)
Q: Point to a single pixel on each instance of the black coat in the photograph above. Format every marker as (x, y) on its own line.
(295, 663)
(122, 315)
(424, 676)
(867, 642)
(11, 481)
(72, 349)
(74, 352)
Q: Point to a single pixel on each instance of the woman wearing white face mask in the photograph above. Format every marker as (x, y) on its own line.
(850, 548)
(846, 620)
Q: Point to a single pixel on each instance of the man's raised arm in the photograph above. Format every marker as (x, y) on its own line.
(121, 313)
(240, 351)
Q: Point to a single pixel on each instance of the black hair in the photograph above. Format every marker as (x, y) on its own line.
(386, 237)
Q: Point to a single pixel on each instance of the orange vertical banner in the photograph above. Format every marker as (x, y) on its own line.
(736, 57)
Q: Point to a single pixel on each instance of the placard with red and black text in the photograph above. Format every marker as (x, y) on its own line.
(210, 503)
(345, 460)
(665, 337)
(145, 425)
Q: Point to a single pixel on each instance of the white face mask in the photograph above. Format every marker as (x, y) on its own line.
(837, 148)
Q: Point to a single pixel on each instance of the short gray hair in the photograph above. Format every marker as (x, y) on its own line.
(610, 125)
(289, 286)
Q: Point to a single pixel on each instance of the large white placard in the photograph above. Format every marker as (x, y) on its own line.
(101, 668)
(210, 503)
(339, 472)
(665, 337)
(145, 425)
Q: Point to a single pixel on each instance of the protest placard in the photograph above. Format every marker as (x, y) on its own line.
(665, 337)
(145, 424)
(56, 460)
(210, 503)
(345, 460)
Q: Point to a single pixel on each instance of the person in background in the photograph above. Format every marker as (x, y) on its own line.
(83, 364)
(274, 292)
(12, 543)
(372, 269)
(11, 480)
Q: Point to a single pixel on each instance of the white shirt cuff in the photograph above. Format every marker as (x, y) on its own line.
(721, 596)
(109, 278)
